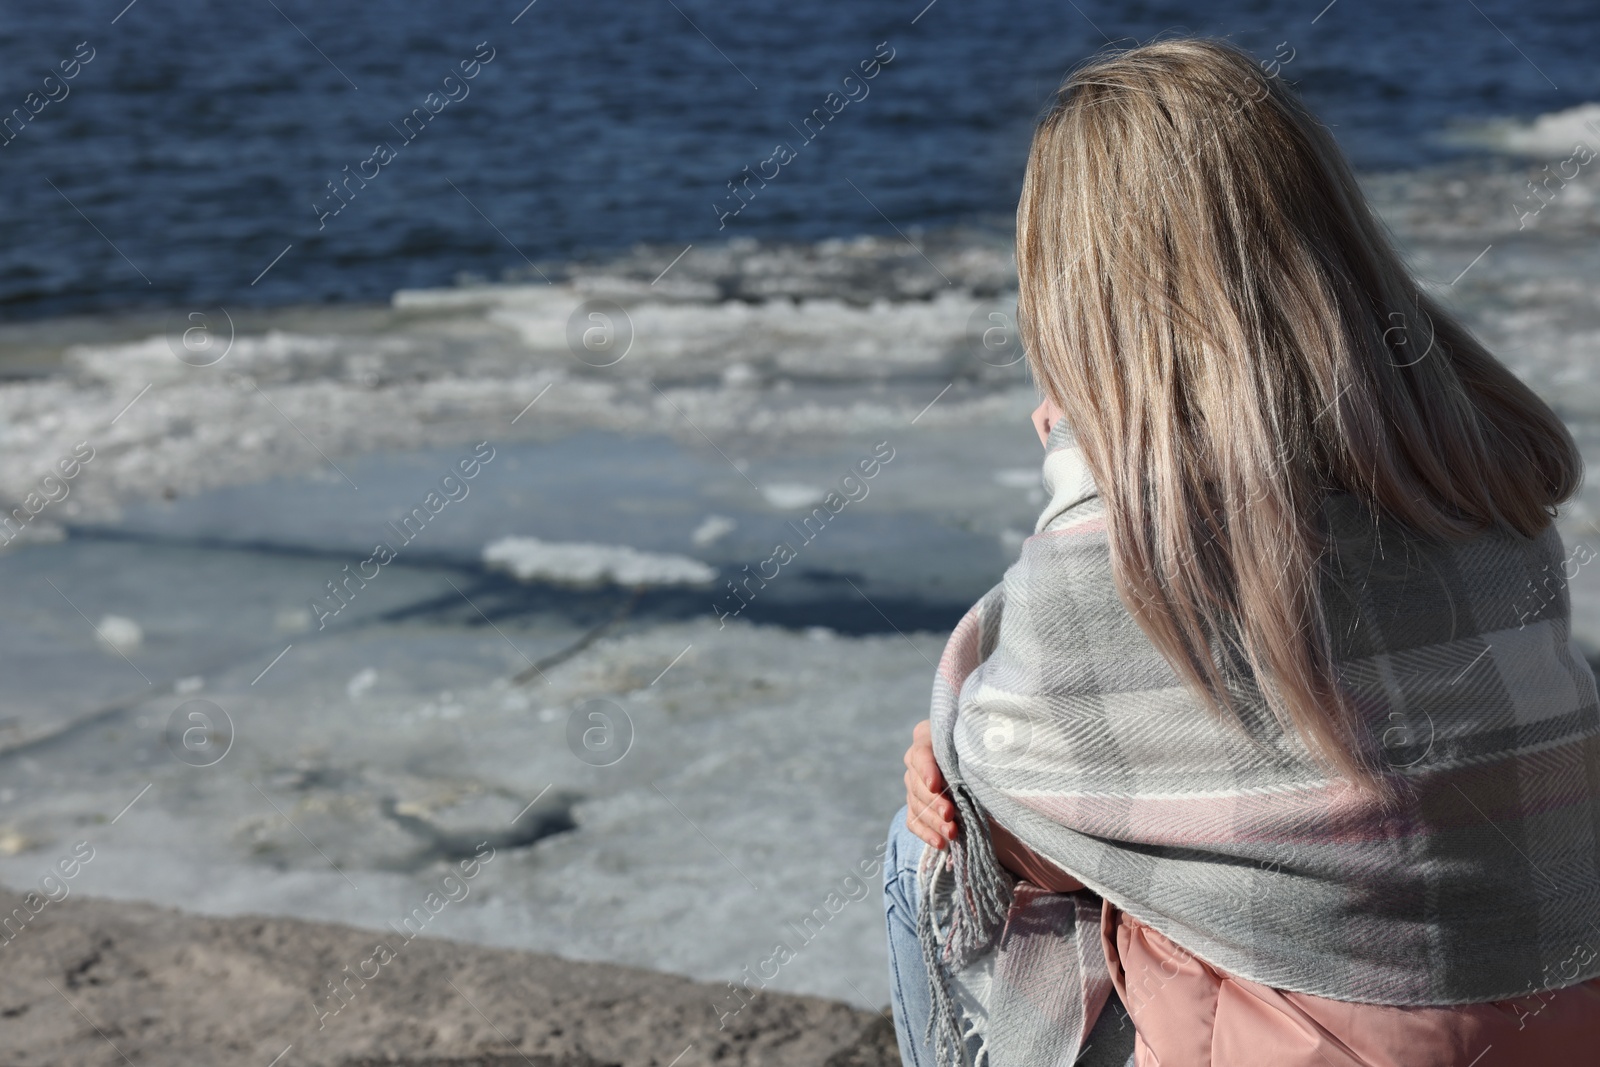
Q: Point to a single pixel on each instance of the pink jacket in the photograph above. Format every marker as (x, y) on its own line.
(1190, 1014)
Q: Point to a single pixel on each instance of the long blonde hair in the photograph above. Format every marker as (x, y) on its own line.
(1230, 334)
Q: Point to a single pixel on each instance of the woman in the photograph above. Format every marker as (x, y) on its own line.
(1274, 735)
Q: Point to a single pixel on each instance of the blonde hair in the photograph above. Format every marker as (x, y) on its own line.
(1230, 334)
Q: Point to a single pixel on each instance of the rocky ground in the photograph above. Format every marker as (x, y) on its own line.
(86, 983)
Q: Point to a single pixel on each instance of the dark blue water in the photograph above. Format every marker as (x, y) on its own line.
(193, 147)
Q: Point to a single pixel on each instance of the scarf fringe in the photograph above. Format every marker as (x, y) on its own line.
(981, 896)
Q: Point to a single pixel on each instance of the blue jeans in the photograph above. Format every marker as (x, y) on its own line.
(910, 994)
(1110, 1042)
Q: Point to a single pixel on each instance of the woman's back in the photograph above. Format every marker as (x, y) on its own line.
(1285, 672)
(1076, 734)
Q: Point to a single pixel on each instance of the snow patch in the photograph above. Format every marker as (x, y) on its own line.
(587, 564)
(1550, 136)
(119, 633)
(790, 495)
(713, 529)
(360, 682)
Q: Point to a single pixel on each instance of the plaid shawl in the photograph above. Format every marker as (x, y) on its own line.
(1054, 714)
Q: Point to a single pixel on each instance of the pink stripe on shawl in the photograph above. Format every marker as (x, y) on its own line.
(1333, 812)
(960, 656)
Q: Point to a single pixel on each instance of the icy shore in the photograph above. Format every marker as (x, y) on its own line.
(697, 409)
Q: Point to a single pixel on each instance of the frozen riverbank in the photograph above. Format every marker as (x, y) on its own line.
(682, 792)
(673, 774)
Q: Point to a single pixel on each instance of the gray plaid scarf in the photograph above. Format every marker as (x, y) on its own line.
(1053, 713)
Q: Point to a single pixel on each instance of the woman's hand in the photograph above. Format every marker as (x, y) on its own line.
(929, 813)
(932, 816)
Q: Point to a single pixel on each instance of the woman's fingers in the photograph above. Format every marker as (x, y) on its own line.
(929, 834)
(926, 806)
(933, 809)
(920, 758)
(919, 824)
(921, 761)
(929, 813)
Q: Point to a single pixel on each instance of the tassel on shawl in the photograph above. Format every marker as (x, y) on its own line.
(980, 899)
